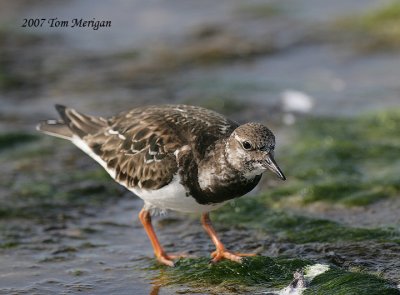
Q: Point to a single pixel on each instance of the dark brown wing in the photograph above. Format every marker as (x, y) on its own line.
(194, 126)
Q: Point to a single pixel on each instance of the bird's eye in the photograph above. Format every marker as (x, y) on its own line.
(246, 145)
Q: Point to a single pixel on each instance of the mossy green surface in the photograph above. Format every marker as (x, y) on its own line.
(260, 271)
(264, 274)
(339, 282)
(351, 161)
(41, 199)
(35, 191)
(375, 30)
(253, 213)
(9, 140)
(8, 245)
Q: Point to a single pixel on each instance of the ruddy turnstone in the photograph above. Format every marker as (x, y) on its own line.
(174, 157)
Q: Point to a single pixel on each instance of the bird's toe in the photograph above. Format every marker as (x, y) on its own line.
(166, 260)
(223, 254)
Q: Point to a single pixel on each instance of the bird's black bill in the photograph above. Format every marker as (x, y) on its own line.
(274, 167)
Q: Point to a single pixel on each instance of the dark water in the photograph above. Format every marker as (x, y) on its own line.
(103, 254)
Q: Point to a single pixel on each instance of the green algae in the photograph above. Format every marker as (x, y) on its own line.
(353, 161)
(375, 30)
(347, 192)
(294, 228)
(35, 192)
(337, 281)
(40, 199)
(259, 271)
(8, 245)
(10, 140)
(35, 149)
(263, 274)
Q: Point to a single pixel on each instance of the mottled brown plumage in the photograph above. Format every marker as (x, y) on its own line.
(176, 157)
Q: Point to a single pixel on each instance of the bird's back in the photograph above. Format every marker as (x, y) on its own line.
(140, 147)
(186, 122)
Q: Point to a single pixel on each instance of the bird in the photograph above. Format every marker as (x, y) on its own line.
(174, 157)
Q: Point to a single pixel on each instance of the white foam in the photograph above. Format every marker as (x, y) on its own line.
(310, 272)
(296, 101)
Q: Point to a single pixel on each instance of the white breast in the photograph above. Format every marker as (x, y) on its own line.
(172, 197)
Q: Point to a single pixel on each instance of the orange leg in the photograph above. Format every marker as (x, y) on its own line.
(161, 256)
(220, 253)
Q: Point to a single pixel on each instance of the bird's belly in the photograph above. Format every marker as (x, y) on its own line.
(173, 196)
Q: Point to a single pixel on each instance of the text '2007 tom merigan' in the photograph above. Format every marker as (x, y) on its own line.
(57, 23)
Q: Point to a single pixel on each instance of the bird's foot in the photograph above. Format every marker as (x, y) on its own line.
(218, 255)
(167, 259)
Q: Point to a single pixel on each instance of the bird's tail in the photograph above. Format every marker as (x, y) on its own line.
(72, 123)
(55, 128)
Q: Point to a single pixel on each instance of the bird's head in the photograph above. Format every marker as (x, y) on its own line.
(250, 149)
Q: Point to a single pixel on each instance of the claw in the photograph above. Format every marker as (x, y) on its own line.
(218, 255)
